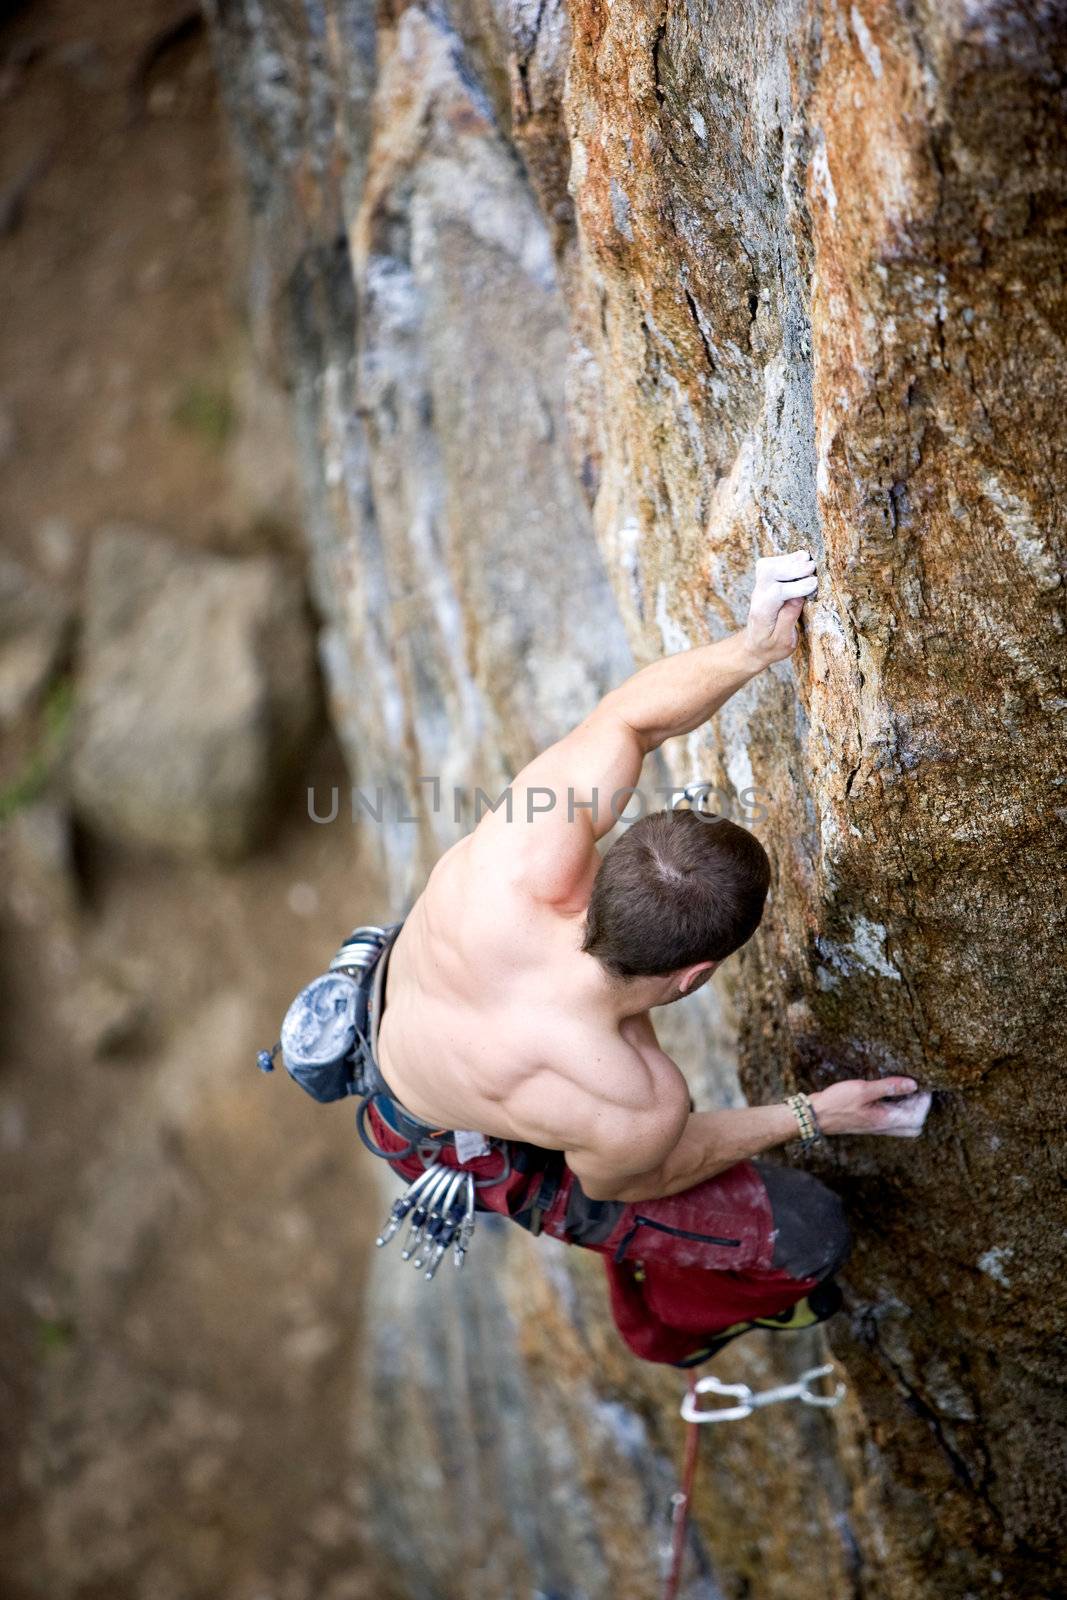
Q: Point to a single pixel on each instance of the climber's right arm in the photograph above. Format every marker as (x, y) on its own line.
(571, 795)
(712, 1141)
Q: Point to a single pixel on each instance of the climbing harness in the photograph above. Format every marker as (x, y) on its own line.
(748, 1401)
(328, 1044)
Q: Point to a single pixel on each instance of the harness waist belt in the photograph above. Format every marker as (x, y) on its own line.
(409, 1127)
(402, 1122)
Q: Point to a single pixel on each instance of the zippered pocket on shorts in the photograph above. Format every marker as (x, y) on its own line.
(679, 1233)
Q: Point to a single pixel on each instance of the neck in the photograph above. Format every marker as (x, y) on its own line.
(630, 997)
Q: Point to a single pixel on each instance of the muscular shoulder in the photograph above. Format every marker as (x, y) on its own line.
(595, 1093)
(540, 848)
(478, 904)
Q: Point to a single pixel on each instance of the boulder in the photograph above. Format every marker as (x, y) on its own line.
(195, 694)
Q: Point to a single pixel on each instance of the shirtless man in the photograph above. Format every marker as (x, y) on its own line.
(517, 1001)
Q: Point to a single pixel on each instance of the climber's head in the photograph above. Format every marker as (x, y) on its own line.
(676, 891)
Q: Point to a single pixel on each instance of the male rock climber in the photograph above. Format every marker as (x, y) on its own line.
(515, 999)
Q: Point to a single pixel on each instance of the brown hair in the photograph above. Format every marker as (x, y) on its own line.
(675, 889)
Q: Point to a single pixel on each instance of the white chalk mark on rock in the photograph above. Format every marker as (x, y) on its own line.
(820, 171)
(864, 951)
(992, 1264)
(672, 633)
(868, 946)
(1015, 516)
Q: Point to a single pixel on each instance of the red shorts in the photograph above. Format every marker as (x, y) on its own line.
(679, 1269)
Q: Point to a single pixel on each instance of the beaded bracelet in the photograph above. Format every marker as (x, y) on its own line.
(808, 1123)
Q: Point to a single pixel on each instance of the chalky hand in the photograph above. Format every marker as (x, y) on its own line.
(783, 583)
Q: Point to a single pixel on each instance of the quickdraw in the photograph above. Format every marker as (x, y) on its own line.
(749, 1400)
(441, 1203)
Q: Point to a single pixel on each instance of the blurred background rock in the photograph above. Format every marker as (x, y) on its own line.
(182, 1254)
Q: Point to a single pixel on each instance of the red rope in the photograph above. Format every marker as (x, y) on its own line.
(681, 1503)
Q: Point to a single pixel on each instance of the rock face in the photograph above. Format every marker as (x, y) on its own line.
(196, 693)
(650, 291)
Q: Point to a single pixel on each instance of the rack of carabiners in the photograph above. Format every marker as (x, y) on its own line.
(439, 1206)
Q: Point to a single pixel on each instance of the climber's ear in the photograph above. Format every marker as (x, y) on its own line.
(691, 978)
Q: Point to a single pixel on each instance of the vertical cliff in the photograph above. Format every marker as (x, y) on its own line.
(583, 308)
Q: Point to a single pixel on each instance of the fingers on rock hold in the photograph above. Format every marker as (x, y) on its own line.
(890, 1088)
(798, 586)
(907, 1117)
(797, 564)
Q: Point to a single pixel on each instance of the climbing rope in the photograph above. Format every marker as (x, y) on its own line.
(748, 1401)
(680, 1500)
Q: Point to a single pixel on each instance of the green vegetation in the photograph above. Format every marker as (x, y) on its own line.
(36, 769)
(206, 410)
(54, 1334)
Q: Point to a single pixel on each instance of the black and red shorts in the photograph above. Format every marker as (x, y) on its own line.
(747, 1243)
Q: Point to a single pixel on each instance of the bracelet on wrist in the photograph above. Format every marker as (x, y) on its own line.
(807, 1122)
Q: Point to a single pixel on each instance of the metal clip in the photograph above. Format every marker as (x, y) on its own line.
(441, 1203)
(693, 796)
(751, 1400)
(359, 950)
(403, 1205)
(439, 1177)
(466, 1227)
(439, 1226)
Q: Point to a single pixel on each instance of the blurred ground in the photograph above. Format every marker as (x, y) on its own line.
(124, 387)
(183, 1239)
(183, 1250)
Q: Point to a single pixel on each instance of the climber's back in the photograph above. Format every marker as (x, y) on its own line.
(496, 1019)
